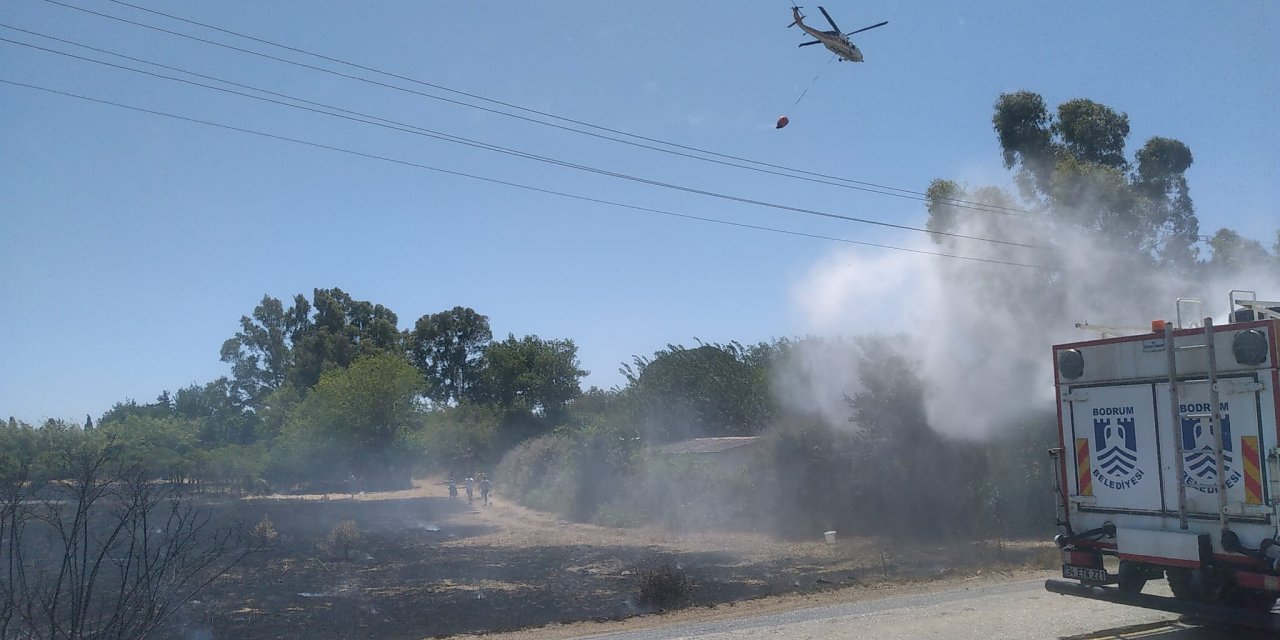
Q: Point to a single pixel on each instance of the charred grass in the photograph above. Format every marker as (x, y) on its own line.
(427, 567)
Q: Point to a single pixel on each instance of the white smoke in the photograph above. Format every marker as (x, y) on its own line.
(846, 293)
(982, 333)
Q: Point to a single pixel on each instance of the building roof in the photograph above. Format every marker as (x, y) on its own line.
(708, 445)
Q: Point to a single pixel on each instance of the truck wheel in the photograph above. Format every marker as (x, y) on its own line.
(1249, 600)
(1186, 584)
(1132, 577)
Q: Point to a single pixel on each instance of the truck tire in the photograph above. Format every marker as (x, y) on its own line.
(1186, 584)
(1132, 577)
(1249, 600)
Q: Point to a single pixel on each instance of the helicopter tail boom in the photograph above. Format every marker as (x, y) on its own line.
(797, 17)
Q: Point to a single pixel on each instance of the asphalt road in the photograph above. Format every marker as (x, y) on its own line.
(1010, 611)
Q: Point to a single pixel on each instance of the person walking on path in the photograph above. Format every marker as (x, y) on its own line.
(453, 489)
(484, 488)
(471, 483)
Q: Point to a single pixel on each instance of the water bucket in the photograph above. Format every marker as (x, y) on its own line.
(830, 536)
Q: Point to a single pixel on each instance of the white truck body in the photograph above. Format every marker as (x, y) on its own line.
(1118, 470)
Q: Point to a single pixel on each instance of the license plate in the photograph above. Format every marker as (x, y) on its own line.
(1084, 573)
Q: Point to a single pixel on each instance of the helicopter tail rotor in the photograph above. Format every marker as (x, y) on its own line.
(795, 11)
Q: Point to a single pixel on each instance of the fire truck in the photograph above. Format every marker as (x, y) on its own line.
(1168, 465)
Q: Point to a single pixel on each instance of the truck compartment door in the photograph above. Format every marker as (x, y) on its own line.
(1242, 447)
(1114, 446)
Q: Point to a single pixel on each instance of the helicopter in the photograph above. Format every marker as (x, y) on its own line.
(835, 41)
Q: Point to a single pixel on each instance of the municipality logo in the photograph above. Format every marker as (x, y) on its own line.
(1115, 442)
(1200, 468)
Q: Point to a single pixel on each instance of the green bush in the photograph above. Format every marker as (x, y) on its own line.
(463, 437)
(542, 473)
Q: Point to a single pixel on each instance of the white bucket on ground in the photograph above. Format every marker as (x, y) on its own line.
(830, 536)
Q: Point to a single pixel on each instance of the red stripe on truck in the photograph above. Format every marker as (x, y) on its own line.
(1257, 581)
(1244, 561)
(1172, 562)
(1082, 467)
(1252, 469)
(1094, 544)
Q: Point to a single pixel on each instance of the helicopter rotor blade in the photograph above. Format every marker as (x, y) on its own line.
(828, 17)
(868, 28)
(805, 44)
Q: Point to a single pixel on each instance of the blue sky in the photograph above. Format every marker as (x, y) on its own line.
(131, 244)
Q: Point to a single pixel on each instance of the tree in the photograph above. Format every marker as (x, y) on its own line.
(296, 345)
(531, 374)
(1161, 179)
(462, 437)
(130, 408)
(1074, 168)
(214, 407)
(1092, 133)
(260, 354)
(103, 553)
(1231, 252)
(357, 420)
(1023, 125)
(897, 447)
(158, 447)
(342, 330)
(446, 347)
(710, 390)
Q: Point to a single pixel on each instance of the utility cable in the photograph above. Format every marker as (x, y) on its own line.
(373, 120)
(490, 180)
(809, 176)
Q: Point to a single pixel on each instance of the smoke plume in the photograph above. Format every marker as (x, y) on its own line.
(981, 332)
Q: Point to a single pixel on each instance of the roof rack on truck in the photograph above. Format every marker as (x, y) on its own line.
(1252, 308)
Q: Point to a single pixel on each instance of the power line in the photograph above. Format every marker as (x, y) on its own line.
(772, 169)
(490, 180)
(407, 128)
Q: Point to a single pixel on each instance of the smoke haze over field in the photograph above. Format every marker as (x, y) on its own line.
(982, 333)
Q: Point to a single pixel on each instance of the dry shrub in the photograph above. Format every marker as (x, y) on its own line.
(342, 539)
(1045, 557)
(264, 533)
(665, 587)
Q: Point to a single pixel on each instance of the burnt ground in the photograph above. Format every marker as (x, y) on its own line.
(428, 567)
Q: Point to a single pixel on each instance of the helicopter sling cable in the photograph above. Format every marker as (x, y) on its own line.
(784, 120)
